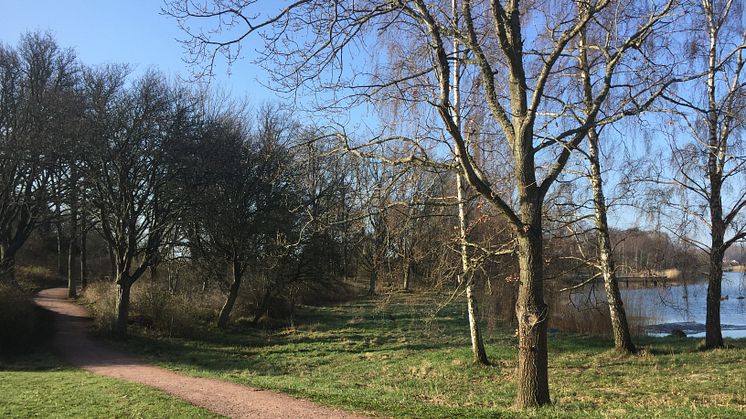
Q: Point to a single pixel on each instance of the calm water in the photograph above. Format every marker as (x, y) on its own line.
(684, 306)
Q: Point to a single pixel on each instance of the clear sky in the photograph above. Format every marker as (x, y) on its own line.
(125, 31)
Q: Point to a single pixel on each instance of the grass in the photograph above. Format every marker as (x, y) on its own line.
(396, 358)
(39, 385)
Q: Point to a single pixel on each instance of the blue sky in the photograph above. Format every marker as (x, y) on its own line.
(130, 31)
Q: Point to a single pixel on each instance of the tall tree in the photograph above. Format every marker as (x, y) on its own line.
(37, 81)
(242, 194)
(708, 158)
(133, 168)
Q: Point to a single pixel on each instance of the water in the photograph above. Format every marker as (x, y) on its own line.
(685, 307)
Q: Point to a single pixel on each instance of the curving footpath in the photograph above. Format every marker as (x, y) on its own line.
(73, 342)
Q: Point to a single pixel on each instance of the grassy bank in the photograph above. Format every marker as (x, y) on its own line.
(395, 358)
(39, 385)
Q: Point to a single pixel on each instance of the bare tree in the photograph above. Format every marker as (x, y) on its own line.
(132, 170)
(517, 73)
(37, 81)
(708, 158)
(241, 194)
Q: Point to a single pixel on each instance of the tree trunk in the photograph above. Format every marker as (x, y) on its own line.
(124, 285)
(407, 276)
(263, 307)
(83, 257)
(72, 245)
(532, 314)
(713, 331)
(372, 281)
(230, 301)
(477, 345)
(620, 327)
(7, 265)
(60, 251)
(112, 262)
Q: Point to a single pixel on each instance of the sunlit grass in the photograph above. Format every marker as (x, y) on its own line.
(399, 359)
(39, 385)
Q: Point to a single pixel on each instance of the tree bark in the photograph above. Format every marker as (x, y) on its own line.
(406, 287)
(373, 279)
(72, 244)
(60, 251)
(532, 314)
(124, 285)
(7, 265)
(112, 262)
(230, 301)
(83, 257)
(477, 344)
(619, 325)
(713, 330)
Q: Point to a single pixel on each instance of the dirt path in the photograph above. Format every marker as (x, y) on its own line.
(73, 342)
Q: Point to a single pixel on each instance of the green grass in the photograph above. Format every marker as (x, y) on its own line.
(396, 358)
(39, 385)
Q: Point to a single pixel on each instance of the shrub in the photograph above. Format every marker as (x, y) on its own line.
(102, 297)
(18, 319)
(34, 277)
(153, 306)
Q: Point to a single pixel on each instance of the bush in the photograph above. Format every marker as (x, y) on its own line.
(152, 306)
(102, 297)
(18, 319)
(35, 277)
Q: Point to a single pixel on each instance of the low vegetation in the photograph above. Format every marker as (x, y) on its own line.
(39, 385)
(398, 356)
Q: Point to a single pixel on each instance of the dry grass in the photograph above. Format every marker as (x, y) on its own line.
(153, 306)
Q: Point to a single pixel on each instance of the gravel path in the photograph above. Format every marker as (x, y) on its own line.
(74, 343)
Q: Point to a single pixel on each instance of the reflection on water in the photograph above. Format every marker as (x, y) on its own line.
(662, 308)
(685, 306)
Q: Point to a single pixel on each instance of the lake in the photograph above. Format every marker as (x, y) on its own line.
(684, 307)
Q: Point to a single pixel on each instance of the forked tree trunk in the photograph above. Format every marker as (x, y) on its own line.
(619, 325)
(477, 344)
(124, 285)
(230, 301)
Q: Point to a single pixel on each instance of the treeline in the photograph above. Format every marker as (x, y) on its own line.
(125, 178)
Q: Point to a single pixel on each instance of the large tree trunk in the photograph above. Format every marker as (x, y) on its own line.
(477, 345)
(124, 285)
(620, 327)
(532, 314)
(230, 301)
